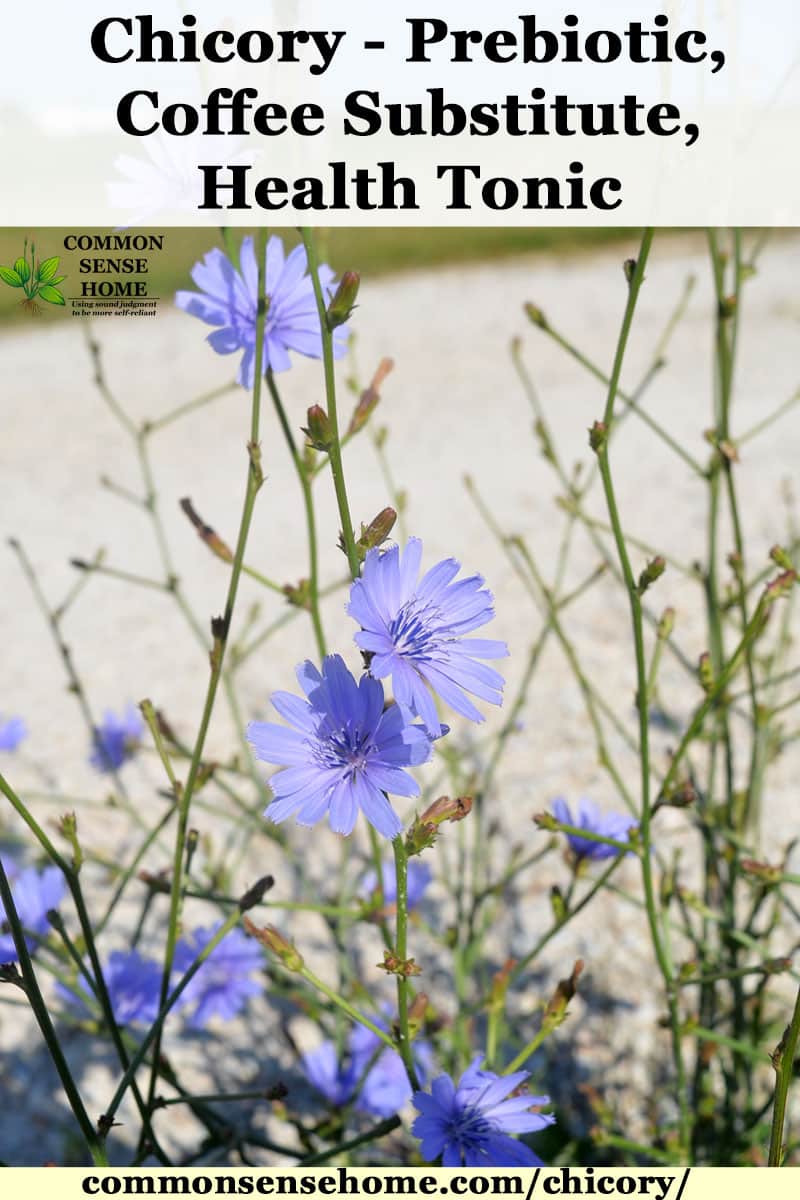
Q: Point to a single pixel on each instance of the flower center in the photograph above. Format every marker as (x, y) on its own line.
(347, 748)
(419, 629)
(469, 1128)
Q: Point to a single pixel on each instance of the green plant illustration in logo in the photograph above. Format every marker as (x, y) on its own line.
(38, 280)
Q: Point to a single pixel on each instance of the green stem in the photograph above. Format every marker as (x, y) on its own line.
(36, 1000)
(401, 950)
(598, 884)
(634, 600)
(308, 504)
(371, 1135)
(335, 452)
(254, 480)
(346, 1007)
(526, 1052)
(784, 1059)
(154, 1032)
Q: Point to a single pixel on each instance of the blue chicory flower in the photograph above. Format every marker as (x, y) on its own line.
(223, 983)
(415, 629)
(134, 987)
(384, 1089)
(342, 752)
(13, 730)
(469, 1123)
(229, 298)
(34, 894)
(116, 739)
(610, 825)
(418, 877)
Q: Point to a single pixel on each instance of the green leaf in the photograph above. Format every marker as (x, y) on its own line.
(10, 276)
(58, 279)
(47, 270)
(22, 269)
(52, 294)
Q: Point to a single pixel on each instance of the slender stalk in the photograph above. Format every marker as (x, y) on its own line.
(634, 599)
(346, 1007)
(335, 452)
(783, 1060)
(627, 399)
(371, 1135)
(254, 481)
(154, 1032)
(573, 911)
(401, 950)
(73, 883)
(308, 504)
(526, 1052)
(39, 1008)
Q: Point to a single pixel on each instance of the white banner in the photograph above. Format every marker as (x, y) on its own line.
(354, 113)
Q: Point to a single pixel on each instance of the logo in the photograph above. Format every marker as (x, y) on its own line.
(38, 280)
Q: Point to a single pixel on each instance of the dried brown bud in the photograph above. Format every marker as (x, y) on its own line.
(556, 1011)
(445, 809)
(764, 872)
(425, 829)
(255, 894)
(206, 533)
(781, 586)
(370, 398)
(274, 941)
(393, 965)
(376, 533)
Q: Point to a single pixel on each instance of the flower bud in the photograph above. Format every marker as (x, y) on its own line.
(341, 306)
(276, 943)
(369, 399)
(206, 533)
(69, 830)
(9, 973)
(318, 431)
(764, 872)
(727, 308)
(781, 586)
(705, 673)
(298, 594)
(781, 558)
(445, 809)
(546, 820)
(776, 966)
(425, 829)
(500, 981)
(666, 624)
(535, 316)
(417, 1012)
(682, 795)
(555, 1012)
(376, 533)
(653, 571)
(598, 437)
(558, 904)
(255, 894)
(403, 967)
